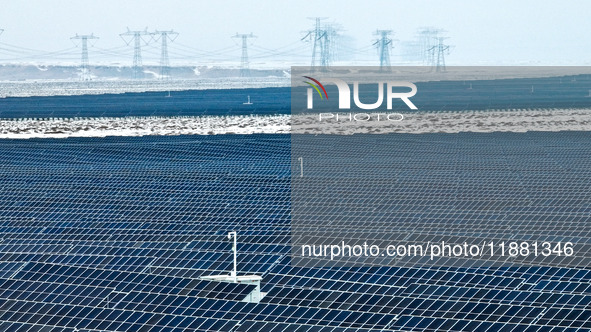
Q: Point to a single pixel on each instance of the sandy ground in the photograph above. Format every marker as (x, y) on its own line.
(453, 122)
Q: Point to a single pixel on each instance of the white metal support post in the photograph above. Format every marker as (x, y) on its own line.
(234, 273)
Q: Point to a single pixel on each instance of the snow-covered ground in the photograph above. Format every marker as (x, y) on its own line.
(141, 126)
(441, 122)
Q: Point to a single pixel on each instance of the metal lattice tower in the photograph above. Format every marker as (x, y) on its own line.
(439, 59)
(328, 46)
(244, 64)
(84, 65)
(164, 37)
(427, 38)
(322, 38)
(384, 44)
(137, 38)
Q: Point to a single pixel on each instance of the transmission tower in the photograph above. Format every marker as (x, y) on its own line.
(164, 37)
(384, 44)
(427, 40)
(323, 40)
(84, 68)
(329, 46)
(244, 66)
(439, 59)
(137, 37)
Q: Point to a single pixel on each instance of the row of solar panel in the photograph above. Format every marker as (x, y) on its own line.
(298, 298)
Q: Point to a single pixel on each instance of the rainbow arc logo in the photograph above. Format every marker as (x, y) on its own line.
(318, 84)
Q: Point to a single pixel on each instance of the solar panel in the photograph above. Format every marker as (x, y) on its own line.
(113, 234)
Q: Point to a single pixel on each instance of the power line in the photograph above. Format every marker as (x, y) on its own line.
(115, 51)
(222, 51)
(22, 54)
(85, 70)
(323, 40)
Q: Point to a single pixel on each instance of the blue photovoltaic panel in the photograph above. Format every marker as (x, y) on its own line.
(112, 234)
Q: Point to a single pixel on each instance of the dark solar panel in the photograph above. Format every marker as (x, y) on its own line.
(113, 234)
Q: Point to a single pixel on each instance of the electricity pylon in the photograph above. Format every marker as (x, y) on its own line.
(322, 38)
(384, 44)
(164, 37)
(439, 59)
(84, 67)
(329, 46)
(244, 65)
(427, 38)
(137, 38)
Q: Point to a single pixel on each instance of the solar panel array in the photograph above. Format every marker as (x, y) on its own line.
(474, 188)
(461, 95)
(161, 103)
(112, 234)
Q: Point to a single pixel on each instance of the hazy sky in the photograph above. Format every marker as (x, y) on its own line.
(491, 32)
